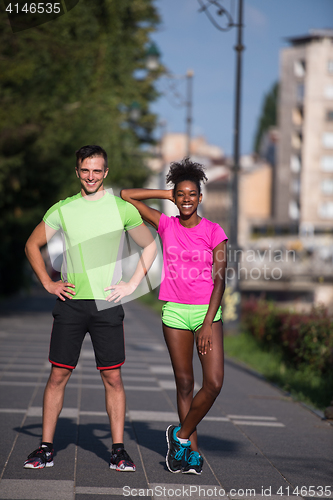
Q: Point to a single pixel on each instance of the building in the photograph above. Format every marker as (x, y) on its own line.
(303, 178)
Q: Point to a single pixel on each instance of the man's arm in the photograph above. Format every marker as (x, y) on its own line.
(38, 238)
(142, 237)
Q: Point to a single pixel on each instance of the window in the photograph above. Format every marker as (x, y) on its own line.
(297, 116)
(300, 92)
(295, 186)
(299, 68)
(330, 66)
(325, 210)
(328, 140)
(294, 210)
(295, 164)
(296, 141)
(327, 163)
(328, 92)
(329, 115)
(327, 186)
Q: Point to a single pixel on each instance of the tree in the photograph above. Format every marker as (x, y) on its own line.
(268, 117)
(64, 84)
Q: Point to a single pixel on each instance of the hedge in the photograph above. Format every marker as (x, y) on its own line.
(306, 340)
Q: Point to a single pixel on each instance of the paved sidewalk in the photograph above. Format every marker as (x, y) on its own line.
(254, 440)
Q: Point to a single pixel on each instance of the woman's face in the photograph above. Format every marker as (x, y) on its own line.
(187, 197)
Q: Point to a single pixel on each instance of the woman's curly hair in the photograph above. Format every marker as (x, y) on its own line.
(186, 170)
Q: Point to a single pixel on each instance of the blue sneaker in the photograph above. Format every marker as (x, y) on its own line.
(193, 464)
(177, 452)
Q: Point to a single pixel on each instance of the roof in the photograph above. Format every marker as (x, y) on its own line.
(314, 34)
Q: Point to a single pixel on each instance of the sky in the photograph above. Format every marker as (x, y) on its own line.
(188, 40)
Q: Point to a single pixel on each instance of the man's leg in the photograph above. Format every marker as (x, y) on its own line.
(115, 401)
(52, 406)
(116, 406)
(53, 400)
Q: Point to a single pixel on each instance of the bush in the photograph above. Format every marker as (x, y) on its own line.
(305, 340)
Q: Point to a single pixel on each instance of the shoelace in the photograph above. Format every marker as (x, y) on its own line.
(182, 449)
(193, 459)
(39, 451)
(122, 454)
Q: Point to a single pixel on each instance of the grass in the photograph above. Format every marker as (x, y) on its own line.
(302, 384)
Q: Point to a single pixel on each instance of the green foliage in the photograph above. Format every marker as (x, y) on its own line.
(304, 340)
(302, 383)
(64, 84)
(268, 117)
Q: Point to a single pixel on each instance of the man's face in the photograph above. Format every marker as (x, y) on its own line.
(91, 173)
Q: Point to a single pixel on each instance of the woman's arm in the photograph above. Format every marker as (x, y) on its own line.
(134, 196)
(204, 337)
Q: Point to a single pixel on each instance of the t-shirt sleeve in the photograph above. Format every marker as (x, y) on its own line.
(218, 235)
(164, 221)
(133, 218)
(52, 217)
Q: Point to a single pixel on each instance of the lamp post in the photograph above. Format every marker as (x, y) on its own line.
(152, 57)
(189, 101)
(181, 100)
(233, 230)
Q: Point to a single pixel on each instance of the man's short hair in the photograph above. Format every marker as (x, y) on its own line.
(91, 152)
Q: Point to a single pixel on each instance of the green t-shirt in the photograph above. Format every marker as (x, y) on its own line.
(93, 238)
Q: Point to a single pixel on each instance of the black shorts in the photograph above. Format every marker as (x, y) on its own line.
(73, 319)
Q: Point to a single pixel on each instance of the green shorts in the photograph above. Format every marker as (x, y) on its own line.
(186, 316)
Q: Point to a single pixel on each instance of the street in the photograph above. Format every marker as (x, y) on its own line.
(255, 441)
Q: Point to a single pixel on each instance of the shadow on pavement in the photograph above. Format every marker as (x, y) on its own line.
(91, 437)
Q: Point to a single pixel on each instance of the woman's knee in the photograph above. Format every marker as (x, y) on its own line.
(213, 387)
(185, 384)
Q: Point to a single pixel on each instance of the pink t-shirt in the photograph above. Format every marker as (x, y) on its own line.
(188, 260)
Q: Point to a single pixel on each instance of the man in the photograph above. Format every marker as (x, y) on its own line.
(92, 225)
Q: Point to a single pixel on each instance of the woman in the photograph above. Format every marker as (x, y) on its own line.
(193, 247)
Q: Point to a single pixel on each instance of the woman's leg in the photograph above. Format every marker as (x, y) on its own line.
(213, 370)
(180, 345)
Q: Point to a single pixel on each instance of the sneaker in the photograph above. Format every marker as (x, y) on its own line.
(120, 460)
(193, 464)
(177, 452)
(39, 459)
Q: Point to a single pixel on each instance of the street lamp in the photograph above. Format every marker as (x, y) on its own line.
(152, 57)
(180, 100)
(233, 230)
(189, 100)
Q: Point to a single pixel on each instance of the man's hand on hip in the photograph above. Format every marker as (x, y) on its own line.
(119, 291)
(61, 289)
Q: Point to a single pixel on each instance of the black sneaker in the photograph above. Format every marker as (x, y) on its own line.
(39, 459)
(120, 460)
(194, 464)
(176, 455)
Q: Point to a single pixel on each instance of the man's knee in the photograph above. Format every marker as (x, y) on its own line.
(112, 379)
(59, 376)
